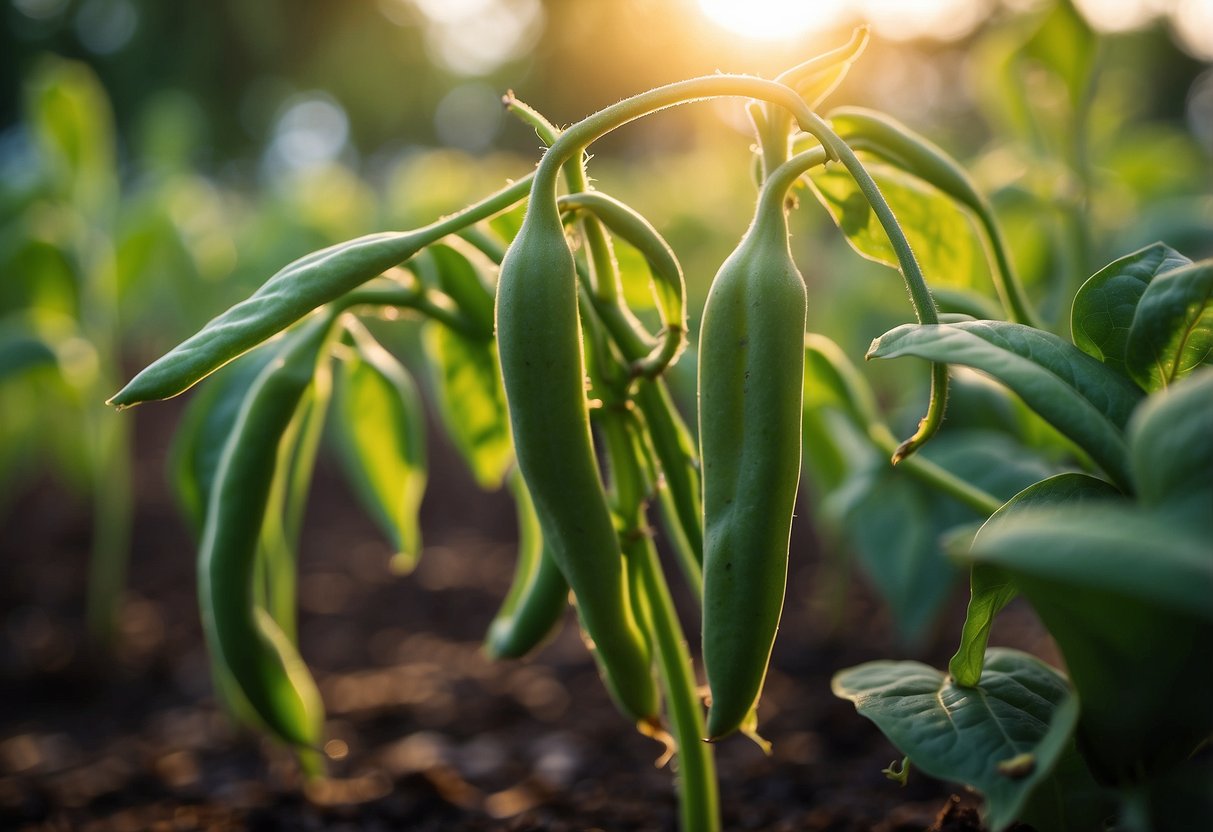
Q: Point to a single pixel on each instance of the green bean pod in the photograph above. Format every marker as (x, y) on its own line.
(539, 594)
(244, 638)
(543, 368)
(751, 358)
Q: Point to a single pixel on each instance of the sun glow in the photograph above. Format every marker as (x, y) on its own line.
(774, 19)
(893, 19)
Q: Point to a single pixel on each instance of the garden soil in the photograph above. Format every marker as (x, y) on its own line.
(424, 731)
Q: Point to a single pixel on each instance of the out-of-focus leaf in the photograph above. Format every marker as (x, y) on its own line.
(471, 402)
(1064, 45)
(1003, 738)
(990, 589)
(21, 348)
(896, 524)
(1078, 395)
(1171, 451)
(1105, 305)
(74, 130)
(1172, 331)
(941, 234)
(380, 428)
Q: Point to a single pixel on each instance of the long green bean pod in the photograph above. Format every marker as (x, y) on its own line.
(261, 659)
(751, 357)
(538, 595)
(543, 368)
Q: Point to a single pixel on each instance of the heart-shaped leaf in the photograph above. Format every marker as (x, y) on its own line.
(1003, 738)
(1104, 306)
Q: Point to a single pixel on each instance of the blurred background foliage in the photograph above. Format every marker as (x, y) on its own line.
(159, 160)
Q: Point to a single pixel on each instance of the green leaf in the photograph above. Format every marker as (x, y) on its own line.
(471, 402)
(299, 288)
(463, 275)
(1171, 451)
(22, 348)
(1065, 45)
(1130, 552)
(1126, 595)
(380, 429)
(831, 379)
(1078, 395)
(74, 130)
(1104, 306)
(1172, 331)
(989, 588)
(1002, 738)
(940, 232)
(896, 525)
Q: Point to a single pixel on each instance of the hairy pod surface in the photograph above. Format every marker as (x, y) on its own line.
(263, 662)
(542, 365)
(751, 358)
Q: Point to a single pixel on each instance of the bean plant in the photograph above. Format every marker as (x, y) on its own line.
(552, 386)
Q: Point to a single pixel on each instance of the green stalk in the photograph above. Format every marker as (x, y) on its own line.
(935, 476)
(698, 801)
(113, 508)
(920, 295)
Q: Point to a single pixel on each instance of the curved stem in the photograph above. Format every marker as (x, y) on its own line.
(581, 134)
(920, 295)
(937, 477)
(1009, 287)
(411, 295)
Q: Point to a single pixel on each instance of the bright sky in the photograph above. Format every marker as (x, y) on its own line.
(1192, 20)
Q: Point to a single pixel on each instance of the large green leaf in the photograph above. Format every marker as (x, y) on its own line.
(941, 233)
(1003, 738)
(1115, 549)
(379, 425)
(1172, 331)
(1078, 395)
(1104, 306)
(1128, 596)
(990, 589)
(471, 402)
(1171, 451)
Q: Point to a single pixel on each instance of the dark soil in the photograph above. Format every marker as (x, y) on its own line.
(425, 732)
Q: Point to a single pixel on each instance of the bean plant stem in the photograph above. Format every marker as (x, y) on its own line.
(576, 138)
(1006, 282)
(699, 803)
(937, 477)
(920, 295)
